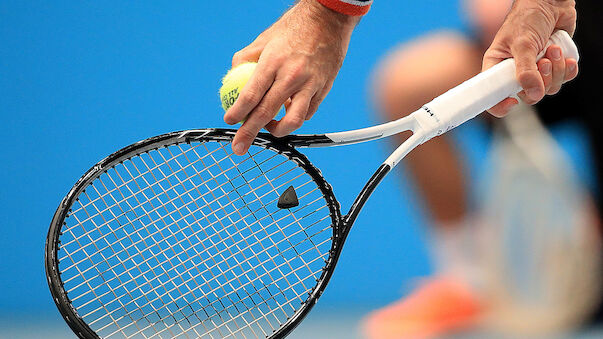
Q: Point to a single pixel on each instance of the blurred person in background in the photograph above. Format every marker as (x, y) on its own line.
(299, 57)
(467, 288)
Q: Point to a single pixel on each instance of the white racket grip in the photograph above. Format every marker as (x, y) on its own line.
(480, 93)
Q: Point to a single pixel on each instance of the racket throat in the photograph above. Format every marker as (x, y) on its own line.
(363, 196)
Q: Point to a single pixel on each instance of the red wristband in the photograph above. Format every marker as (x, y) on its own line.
(348, 7)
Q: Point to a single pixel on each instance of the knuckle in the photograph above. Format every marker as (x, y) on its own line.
(311, 110)
(488, 55)
(236, 57)
(524, 43)
(246, 134)
(529, 78)
(570, 13)
(263, 114)
(276, 59)
(249, 97)
(297, 73)
(295, 122)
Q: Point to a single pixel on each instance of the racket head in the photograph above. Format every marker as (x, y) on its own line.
(122, 260)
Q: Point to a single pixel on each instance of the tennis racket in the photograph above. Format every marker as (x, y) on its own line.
(177, 237)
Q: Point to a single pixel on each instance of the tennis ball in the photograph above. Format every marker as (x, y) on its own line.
(233, 82)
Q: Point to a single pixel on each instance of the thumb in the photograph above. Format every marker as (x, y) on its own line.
(498, 52)
(493, 57)
(248, 54)
(525, 51)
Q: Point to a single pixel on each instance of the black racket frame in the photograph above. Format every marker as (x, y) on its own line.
(341, 224)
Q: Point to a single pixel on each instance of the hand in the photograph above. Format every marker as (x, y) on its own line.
(525, 33)
(298, 58)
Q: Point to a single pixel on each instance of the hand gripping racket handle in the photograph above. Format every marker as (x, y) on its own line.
(480, 93)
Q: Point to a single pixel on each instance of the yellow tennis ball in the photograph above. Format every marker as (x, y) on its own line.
(233, 82)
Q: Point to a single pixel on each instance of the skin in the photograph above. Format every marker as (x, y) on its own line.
(523, 35)
(300, 55)
(298, 58)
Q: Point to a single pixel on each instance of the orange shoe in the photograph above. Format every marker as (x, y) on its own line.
(438, 307)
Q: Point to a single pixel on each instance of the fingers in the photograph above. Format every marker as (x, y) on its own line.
(555, 54)
(251, 94)
(564, 69)
(525, 32)
(251, 53)
(287, 85)
(318, 98)
(264, 94)
(525, 52)
(259, 117)
(247, 54)
(545, 67)
(503, 107)
(571, 69)
(553, 70)
(295, 117)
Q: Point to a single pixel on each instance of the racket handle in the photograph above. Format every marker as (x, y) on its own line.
(481, 92)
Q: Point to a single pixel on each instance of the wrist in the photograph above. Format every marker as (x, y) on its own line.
(330, 17)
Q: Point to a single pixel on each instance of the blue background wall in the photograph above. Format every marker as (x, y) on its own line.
(81, 79)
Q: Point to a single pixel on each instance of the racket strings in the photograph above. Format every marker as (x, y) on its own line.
(309, 238)
(269, 182)
(118, 299)
(188, 241)
(252, 213)
(150, 302)
(265, 301)
(134, 243)
(164, 204)
(132, 208)
(229, 257)
(233, 254)
(124, 183)
(187, 238)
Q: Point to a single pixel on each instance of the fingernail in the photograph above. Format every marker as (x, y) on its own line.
(533, 93)
(546, 68)
(512, 104)
(238, 148)
(556, 54)
(227, 119)
(572, 68)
